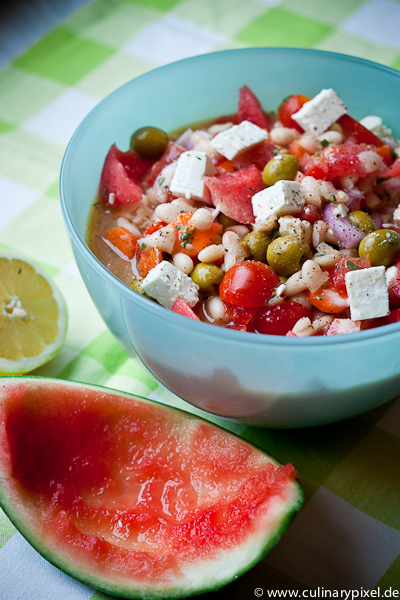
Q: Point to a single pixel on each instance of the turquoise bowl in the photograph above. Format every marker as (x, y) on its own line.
(266, 380)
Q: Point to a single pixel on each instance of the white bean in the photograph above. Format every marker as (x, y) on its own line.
(283, 136)
(372, 200)
(216, 311)
(167, 212)
(333, 137)
(183, 262)
(370, 160)
(391, 276)
(122, 222)
(295, 284)
(241, 230)
(184, 205)
(211, 253)
(202, 219)
(303, 327)
(302, 299)
(164, 239)
(312, 275)
(310, 144)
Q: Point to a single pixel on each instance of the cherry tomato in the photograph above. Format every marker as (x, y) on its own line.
(290, 106)
(249, 284)
(310, 213)
(279, 319)
(240, 314)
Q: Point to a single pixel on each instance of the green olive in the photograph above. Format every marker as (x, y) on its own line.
(286, 254)
(137, 287)
(381, 246)
(226, 221)
(257, 243)
(363, 221)
(284, 166)
(206, 276)
(149, 142)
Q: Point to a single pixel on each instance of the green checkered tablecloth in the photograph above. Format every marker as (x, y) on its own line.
(347, 536)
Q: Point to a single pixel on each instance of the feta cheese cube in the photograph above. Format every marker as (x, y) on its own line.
(238, 138)
(289, 225)
(165, 283)
(188, 180)
(372, 123)
(368, 293)
(375, 124)
(320, 113)
(282, 198)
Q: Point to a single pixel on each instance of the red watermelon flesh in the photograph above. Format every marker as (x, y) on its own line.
(132, 497)
(172, 152)
(231, 193)
(258, 156)
(250, 109)
(121, 175)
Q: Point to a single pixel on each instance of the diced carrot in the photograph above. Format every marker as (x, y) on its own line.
(329, 300)
(385, 153)
(299, 152)
(190, 240)
(149, 259)
(122, 239)
(224, 166)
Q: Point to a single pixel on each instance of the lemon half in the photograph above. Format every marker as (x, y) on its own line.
(33, 316)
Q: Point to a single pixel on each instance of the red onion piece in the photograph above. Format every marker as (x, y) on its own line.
(349, 235)
(354, 194)
(377, 218)
(392, 186)
(184, 139)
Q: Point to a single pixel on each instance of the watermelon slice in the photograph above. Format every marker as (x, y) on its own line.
(172, 152)
(231, 193)
(135, 498)
(121, 175)
(250, 109)
(182, 308)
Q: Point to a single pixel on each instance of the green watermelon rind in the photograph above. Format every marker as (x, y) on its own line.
(121, 590)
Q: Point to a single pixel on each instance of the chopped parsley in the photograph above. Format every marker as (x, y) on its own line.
(19, 271)
(187, 236)
(142, 247)
(160, 181)
(104, 192)
(324, 143)
(320, 297)
(275, 151)
(275, 233)
(352, 266)
(334, 198)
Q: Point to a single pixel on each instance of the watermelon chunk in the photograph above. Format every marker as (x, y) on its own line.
(258, 156)
(172, 152)
(182, 308)
(250, 109)
(135, 498)
(231, 193)
(121, 175)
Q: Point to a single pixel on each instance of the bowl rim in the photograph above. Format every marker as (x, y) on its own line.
(210, 330)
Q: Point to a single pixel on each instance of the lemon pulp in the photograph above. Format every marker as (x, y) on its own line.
(32, 316)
